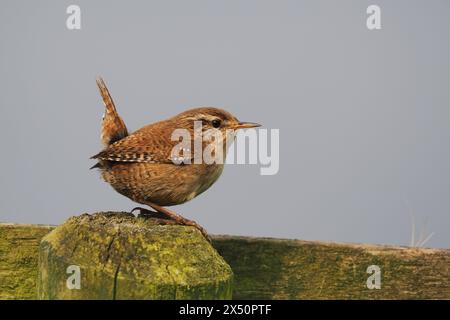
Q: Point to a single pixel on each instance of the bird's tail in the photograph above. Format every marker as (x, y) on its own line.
(113, 127)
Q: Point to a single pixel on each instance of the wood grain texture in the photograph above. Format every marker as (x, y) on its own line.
(294, 269)
(272, 268)
(124, 257)
(18, 259)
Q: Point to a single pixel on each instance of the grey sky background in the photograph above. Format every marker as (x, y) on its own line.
(364, 116)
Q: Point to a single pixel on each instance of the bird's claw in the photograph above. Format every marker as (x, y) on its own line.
(146, 213)
(194, 224)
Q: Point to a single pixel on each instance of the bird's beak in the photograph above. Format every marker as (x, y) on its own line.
(246, 125)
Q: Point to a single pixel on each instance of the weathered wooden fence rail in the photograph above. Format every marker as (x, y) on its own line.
(262, 268)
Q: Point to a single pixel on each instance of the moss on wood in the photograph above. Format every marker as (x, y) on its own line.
(263, 268)
(18, 259)
(294, 269)
(123, 257)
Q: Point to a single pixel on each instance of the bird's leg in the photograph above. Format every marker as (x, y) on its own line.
(179, 219)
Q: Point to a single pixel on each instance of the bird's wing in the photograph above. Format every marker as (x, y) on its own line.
(145, 145)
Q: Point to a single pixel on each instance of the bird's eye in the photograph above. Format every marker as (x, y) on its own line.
(216, 123)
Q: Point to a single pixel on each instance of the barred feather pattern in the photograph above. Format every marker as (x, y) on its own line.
(150, 144)
(113, 127)
(140, 165)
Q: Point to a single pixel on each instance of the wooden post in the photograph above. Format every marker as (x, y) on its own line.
(263, 268)
(295, 269)
(118, 256)
(19, 258)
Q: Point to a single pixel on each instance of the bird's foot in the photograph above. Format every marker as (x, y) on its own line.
(186, 222)
(146, 213)
(168, 214)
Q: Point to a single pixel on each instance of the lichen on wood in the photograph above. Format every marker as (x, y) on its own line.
(18, 259)
(267, 268)
(263, 268)
(124, 257)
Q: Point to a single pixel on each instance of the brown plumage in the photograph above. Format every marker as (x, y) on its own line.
(113, 127)
(140, 165)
